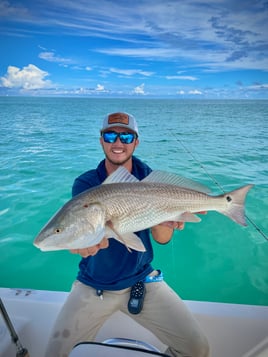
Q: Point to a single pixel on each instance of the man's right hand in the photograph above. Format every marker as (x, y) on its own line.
(86, 252)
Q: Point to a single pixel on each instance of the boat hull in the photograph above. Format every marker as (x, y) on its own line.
(233, 330)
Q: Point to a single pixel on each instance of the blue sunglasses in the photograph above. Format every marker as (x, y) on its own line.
(125, 138)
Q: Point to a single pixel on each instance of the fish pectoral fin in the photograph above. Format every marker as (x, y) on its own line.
(130, 240)
(187, 217)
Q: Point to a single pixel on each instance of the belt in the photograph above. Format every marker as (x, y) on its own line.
(154, 277)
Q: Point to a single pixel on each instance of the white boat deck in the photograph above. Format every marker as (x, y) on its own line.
(233, 330)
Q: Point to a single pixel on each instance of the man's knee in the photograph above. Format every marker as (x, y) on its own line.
(199, 347)
(203, 348)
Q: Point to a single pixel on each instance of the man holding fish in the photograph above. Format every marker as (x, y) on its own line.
(118, 260)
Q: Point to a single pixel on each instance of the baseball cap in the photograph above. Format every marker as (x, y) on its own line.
(123, 120)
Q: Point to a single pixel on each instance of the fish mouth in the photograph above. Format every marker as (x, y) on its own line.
(49, 248)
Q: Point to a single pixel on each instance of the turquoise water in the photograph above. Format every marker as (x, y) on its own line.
(46, 142)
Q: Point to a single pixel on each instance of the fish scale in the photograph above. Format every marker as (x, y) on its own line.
(157, 202)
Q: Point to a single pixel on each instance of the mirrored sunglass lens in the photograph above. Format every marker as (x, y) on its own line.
(126, 138)
(109, 137)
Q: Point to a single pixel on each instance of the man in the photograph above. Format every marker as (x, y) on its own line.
(108, 271)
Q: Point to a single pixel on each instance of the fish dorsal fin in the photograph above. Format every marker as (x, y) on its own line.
(174, 179)
(120, 175)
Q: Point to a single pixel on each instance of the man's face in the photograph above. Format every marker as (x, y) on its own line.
(119, 153)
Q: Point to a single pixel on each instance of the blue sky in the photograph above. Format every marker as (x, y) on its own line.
(142, 48)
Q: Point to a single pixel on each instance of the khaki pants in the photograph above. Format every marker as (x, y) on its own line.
(164, 314)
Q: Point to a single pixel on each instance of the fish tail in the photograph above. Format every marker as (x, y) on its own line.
(235, 205)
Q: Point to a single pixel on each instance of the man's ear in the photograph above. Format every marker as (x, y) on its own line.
(137, 142)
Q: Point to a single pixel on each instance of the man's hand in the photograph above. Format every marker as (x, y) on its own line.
(86, 252)
(163, 232)
(177, 225)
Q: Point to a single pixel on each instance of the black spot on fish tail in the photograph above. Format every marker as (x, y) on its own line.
(235, 210)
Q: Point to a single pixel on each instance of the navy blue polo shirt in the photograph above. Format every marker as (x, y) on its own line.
(114, 268)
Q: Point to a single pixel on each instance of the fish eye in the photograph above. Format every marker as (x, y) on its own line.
(57, 230)
(229, 198)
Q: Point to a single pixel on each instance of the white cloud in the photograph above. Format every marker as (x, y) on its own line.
(51, 57)
(142, 52)
(195, 92)
(259, 86)
(139, 89)
(28, 78)
(15, 11)
(183, 78)
(100, 88)
(131, 72)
